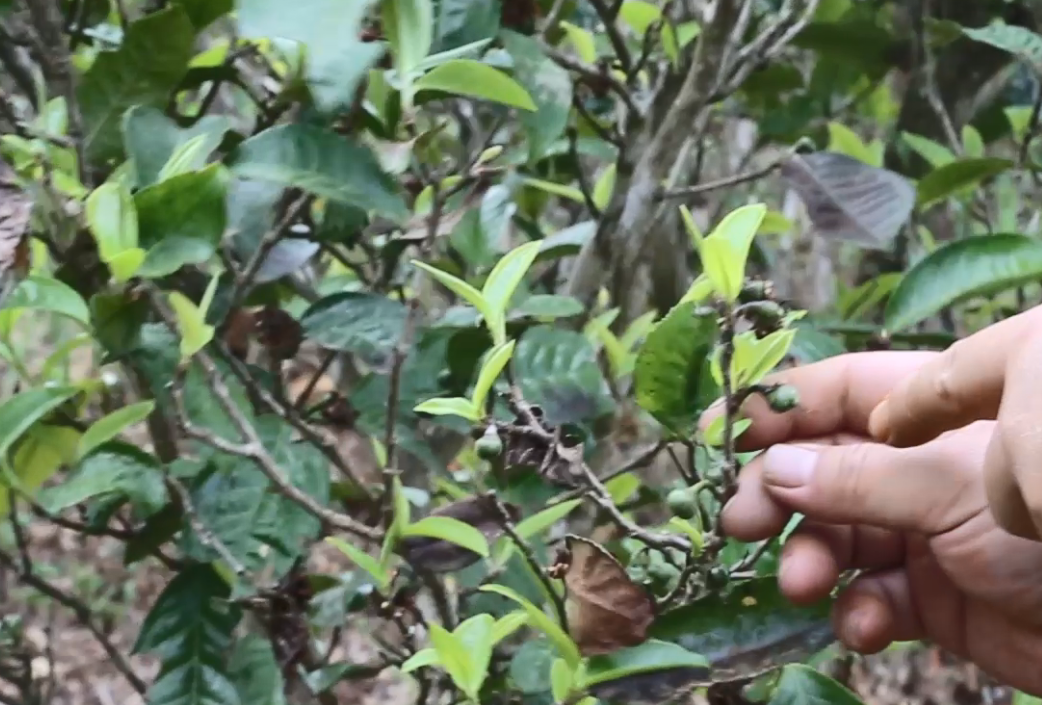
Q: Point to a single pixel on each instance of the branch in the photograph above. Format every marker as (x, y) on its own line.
(618, 42)
(83, 615)
(251, 447)
(725, 182)
(593, 75)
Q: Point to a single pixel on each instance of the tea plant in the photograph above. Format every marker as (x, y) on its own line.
(395, 321)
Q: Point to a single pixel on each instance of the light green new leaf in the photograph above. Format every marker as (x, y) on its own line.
(582, 41)
(453, 657)
(502, 282)
(739, 227)
(541, 521)
(191, 322)
(475, 635)
(112, 219)
(958, 177)
(421, 659)
(458, 287)
(562, 680)
(409, 26)
(111, 425)
(605, 186)
(972, 142)
(552, 187)
(845, 141)
(364, 561)
(476, 80)
(539, 619)
(933, 152)
(507, 625)
(451, 530)
(755, 358)
(714, 433)
(639, 14)
(449, 406)
(723, 267)
(186, 157)
(495, 362)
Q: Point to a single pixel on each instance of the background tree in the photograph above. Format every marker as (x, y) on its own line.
(365, 342)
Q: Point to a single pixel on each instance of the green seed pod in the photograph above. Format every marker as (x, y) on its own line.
(490, 445)
(682, 504)
(783, 398)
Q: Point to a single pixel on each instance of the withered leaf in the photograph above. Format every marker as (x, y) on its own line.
(279, 332)
(849, 200)
(606, 610)
(438, 556)
(559, 462)
(653, 688)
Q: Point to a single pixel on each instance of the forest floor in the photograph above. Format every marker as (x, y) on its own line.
(66, 655)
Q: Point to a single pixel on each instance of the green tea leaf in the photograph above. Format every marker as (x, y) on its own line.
(669, 375)
(1019, 41)
(501, 284)
(451, 530)
(144, 70)
(20, 412)
(321, 162)
(459, 287)
(365, 324)
(539, 620)
(959, 270)
(958, 176)
(802, 684)
(364, 561)
(453, 657)
(550, 89)
(113, 424)
(40, 292)
(474, 79)
(112, 219)
(494, 364)
(191, 322)
(190, 629)
(112, 470)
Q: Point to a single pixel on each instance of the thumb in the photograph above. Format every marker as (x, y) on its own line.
(921, 489)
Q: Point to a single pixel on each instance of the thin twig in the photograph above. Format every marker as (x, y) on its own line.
(206, 537)
(727, 181)
(618, 42)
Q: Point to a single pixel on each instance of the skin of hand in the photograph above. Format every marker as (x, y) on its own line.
(994, 374)
(935, 564)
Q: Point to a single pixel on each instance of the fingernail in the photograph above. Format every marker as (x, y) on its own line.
(788, 466)
(879, 421)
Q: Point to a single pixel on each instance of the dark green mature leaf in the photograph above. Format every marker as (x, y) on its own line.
(802, 685)
(205, 12)
(530, 666)
(144, 70)
(251, 212)
(812, 345)
(748, 630)
(1019, 41)
(181, 219)
(337, 60)
(116, 320)
(953, 178)
(550, 87)
(255, 672)
(654, 672)
(321, 162)
(284, 524)
(567, 242)
(461, 22)
(151, 138)
(366, 324)
(558, 370)
(190, 629)
(114, 470)
(227, 502)
(976, 266)
(670, 369)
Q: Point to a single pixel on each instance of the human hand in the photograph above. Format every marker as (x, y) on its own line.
(915, 520)
(994, 374)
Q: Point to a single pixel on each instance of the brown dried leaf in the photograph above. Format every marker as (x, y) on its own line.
(606, 610)
(279, 332)
(849, 200)
(439, 556)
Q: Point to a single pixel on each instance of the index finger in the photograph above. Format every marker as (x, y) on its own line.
(836, 395)
(959, 386)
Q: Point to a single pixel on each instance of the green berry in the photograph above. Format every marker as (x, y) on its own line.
(717, 576)
(490, 445)
(682, 504)
(783, 398)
